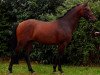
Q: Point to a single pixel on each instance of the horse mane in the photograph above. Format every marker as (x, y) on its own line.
(69, 10)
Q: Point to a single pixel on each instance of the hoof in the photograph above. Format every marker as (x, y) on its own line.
(34, 73)
(9, 74)
(55, 73)
(62, 74)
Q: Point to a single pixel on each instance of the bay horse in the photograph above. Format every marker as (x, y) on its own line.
(58, 32)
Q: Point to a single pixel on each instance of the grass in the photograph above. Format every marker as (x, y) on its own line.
(41, 69)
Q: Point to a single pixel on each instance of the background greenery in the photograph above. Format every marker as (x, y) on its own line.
(83, 48)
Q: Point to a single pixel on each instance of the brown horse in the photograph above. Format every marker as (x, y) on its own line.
(58, 32)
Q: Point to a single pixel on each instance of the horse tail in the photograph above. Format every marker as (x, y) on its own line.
(14, 38)
(13, 44)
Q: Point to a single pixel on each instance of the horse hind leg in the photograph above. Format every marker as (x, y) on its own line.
(28, 49)
(17, 53)
(12, 61)
(14, 58)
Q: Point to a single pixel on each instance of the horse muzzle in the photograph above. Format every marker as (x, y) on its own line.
(94, 19)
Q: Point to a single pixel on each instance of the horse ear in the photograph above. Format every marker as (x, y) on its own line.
(78, 4)
(86, 3)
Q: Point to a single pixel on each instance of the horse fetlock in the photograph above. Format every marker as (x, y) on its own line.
(10, 70)
(31, 70)
(59, 69)
(54, 69)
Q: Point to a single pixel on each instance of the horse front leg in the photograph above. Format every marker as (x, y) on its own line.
(60, 63)
(61, 48)
(27, 59)
(54, 62)
(28, 49)
(58, 57)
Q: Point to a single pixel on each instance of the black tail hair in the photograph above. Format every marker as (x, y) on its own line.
(13, 44)
(13, 39)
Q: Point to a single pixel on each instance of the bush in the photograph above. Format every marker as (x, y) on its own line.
(82, 47)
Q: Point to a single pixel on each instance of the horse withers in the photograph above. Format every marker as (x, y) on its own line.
(58, 32)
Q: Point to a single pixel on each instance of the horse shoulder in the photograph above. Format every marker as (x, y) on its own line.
(64, 35)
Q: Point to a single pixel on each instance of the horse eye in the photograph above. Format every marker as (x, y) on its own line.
(86, 9)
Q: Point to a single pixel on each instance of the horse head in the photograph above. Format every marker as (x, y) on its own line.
(86, 12)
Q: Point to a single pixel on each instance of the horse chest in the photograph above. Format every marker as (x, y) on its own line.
(64, 37)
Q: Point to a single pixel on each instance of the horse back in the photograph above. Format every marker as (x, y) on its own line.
(43, 32)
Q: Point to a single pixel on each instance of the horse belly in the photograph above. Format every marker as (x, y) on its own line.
(45, 39)
(50, 36)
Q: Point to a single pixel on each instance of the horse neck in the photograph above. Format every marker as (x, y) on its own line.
(71, 20)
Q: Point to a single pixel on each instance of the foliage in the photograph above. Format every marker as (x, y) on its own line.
(82, 47)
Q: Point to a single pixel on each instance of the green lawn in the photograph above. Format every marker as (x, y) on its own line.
(41, 69)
